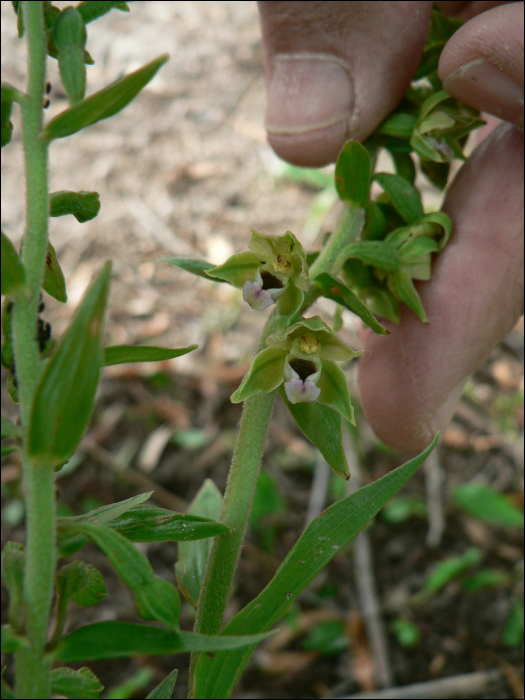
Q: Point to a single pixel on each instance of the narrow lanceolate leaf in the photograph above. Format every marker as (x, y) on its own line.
(483, 502)
(120, 354)
(76, 684)
(405, 199)
(215, 677)
(65, 396)
(69, 37)
(402, 287)
(196, 267)
(337, 291)
(54, 280)
(147, 523)
(164, 690)
(155, 598)
(323, 427)
(83, 205)
(13, 281)
(103, 104)
(352, 174)
(191, 564)
(111, 640)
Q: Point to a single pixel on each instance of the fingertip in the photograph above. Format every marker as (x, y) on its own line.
(313, 149)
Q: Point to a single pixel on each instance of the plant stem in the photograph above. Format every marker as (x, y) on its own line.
(33, 667)
(247, 456)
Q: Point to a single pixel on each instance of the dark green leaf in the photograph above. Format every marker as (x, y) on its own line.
(327, 638)
(399, 125)
(147, 523)
(437, 173)
(69, 38)
(323, 427)
(119, 354)
(82, 583)
(65, 396)
(215, 677)
(513, 632)
(12, 641)
(6, 108)
(93, 10)
(483, 502)
(111, 640)
(9, 429)
(405, 199)
(7, 450)
(83, 205)
(13, 281)
(193, 556)
(103, 104)
(375, 253)
(352, 174)
(196, 267)
(164, 690)
(11, 94)
(54, 280)
(337, 291)
(402, 287)
(405, 167)
(76, 684)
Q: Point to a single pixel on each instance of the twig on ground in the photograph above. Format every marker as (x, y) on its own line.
(317, 499)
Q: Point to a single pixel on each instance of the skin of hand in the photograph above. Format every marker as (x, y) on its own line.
(334, 71)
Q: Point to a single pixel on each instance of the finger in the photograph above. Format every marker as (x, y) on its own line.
(411, 380)
(467, 10)
(335, 70)
(482, 64)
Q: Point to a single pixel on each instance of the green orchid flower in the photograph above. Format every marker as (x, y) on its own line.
(274, 270)
(303, 356)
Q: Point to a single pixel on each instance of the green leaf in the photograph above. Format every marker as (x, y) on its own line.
(13, 562)
(147, 523)
(9, 429)
(155, 598)
(513, 632)
(13, 281)
(405, 167)
(6, 108)
(402, 287)
(437, 173)
(265, 374)
(377, 253)
(405, 199)
(399, 124)
(328, 638)
(75, 684)
(83, 205)
(119, 354)
(334, 390)
(196, 267)
(65, 396)
(486, 578)
(352, 174)
(12, 641)
(54, 280)
(483, 502)
(323, 538)
(103, 104)
(237, 270)
(193, 556)
(93, 10)
(69, 37)
(337, 291)
(164, 690)
(82, 583)
(111, 640)
(11, 94)
(322, 426)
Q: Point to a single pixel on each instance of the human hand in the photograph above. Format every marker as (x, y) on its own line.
(411, 380)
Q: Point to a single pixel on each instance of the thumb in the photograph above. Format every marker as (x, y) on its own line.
(482, 64)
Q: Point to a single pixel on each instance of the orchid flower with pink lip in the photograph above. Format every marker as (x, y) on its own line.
(303, 358)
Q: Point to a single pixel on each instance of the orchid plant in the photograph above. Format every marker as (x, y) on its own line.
(367, 266)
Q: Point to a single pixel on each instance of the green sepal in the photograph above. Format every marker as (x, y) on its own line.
(13, 563)
(196, 267)
(265, 374)
(334, 391)
(331, 347)
(65, 397)
(289, 304)
(76, 684)
(69, 38)
(120, 354)
(103, 104)
(337, 291)
(81, 583)
(83, 205)
(402, 287)
(54, 281)
(193, 556)
(352, 174)
(13, 280)
(164, 690)
(237, 270)
(405, 199)
(323, 427)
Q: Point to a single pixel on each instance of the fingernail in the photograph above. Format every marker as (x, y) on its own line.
(308, 92)
(487, 88)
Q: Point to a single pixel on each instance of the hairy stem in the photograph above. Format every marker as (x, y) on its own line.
(33, 668)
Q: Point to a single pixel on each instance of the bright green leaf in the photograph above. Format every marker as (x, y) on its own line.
(120, 354)
(103, 104)
(193, 556)
(399, 124)
(265, 374)
(352, 174)
(65, 396)
(75, 684)
(237, 270)
(215, 677)
(164, 690)
(83, 205)
(69, 37)
(111, 640)
(447, 570)
(54, 280)
(483, 502)
(13, 280)
(405, 199)
(334, 390)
